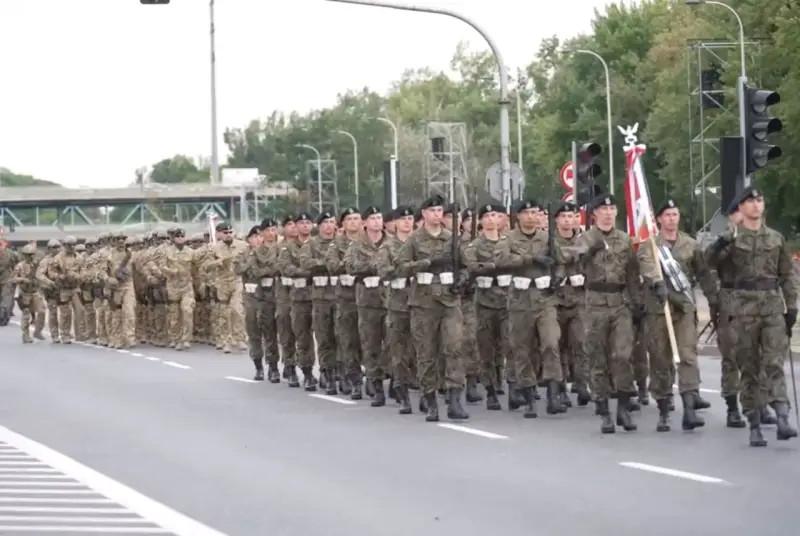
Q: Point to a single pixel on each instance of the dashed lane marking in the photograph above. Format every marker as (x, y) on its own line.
(176, 365)
(242, 380)
(334, 399)
(472, 431)
(705, 479)
(150, 358)
(93, 504)
(137, 354)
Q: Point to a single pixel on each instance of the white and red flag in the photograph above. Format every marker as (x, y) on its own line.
(639, 206)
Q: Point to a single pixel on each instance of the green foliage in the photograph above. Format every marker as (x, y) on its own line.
(9, 178)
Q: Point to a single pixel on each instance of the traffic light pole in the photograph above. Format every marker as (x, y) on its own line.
(575, 172)
(741, 89)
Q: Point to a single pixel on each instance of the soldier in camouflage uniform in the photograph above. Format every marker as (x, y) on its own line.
(571, 298)
(762, 310)
(398, 326)
(436, 322)
(359, 262)
(87, 291)
(491, 300)
(180, 266)
(49, 288)
(469, 343)
(312, 258)
(23, 274)
(346, 310)
(613, 291)
(225, 284)
(202, 311)
(687, 254)
(63, 271)
(283, 317)
(250, 267)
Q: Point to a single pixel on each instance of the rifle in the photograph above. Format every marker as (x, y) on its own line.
(120, 274)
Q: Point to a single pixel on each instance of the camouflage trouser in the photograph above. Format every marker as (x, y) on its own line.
(347, 335)
(323, 321)
(662, 368)
(283, 321)
(303, 334)
(468, 349)
(573, 354)
(641, 367)
(760, 346)
(371, 333)
(492, 342)
(729, 377)
(66, 305)
(437, 334)
(52, 318)
(534, 336)
(100, 320)
(400, 347)
(34, 308)
(180, 318)
(609, 343)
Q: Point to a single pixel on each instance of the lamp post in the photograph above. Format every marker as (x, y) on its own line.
(319, 171)
(609, 119)
(355, 159)
(740, 83)
(214, 141)
(393, 160)
(505, 137)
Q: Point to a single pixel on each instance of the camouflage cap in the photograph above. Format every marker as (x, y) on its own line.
(80, 247)
(53, 243)
(28, 249)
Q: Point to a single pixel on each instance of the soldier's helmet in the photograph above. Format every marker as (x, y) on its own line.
(198, 237)
(162, 235)
(130, 241)
(70, 241)
(80, 247)
(53, 243)
(28, 249)
(91, 241)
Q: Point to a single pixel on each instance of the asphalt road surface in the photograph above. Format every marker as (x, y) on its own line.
(152, 441)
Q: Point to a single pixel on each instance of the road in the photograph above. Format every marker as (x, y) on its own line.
(190, 433)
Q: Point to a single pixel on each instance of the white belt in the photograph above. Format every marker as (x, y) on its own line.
(250, 288)
(267, 282)
(347, 280)
(399, 283)
(372, 281)
(299, 282)
(334, 279)
(427, 278)
(320, 281)
(577, 280)
(286, 281)
(386, 283)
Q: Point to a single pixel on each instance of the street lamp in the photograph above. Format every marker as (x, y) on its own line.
(355, 159)
(393, 160)
(214, 142)
(741, 82)
(609, 119)
(505, 137)
(319, 171)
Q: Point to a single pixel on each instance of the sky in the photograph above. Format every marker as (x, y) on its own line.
(91, 90)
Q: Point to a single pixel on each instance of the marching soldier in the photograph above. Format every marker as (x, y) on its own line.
(225, 285)
(24, 275)
(283, 316)
(683, 311)
(267, 254)
(469, 343)
(312, 258)
(250, 267)
(49, 289)
(63, 271)
(762, 309)
(436, 321)
(612, 286)
(180, 264)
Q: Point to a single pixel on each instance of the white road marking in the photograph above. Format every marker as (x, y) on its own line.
(335, 399)
(104, 491)
(26, 470)
(6, 484)
(63, 510)
(472, 431)
(153, 358)
(27, 477)
(121, 351)
(21, 464)
(176, 365)
(137, 354)
(674, 472)
(76, 519)
(243, 380)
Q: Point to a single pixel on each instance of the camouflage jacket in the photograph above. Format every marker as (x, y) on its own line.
(313, 259)
(359, 261)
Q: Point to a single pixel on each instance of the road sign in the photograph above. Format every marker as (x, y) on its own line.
(569, 197)
(494, 182)
(567, 176)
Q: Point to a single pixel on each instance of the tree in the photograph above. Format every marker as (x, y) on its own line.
(175, 170)
(9, 178)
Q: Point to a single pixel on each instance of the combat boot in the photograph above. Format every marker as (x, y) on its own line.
(499, 373)
(330, 378)
(392, 393)
(309, 381)
(379, 399)
(492, 403)
(756, 438)
(345, 387)
(767, 417)
(633, 404)
(369, 388)
(355, 384)
(785, 430)
(565, 400)
(323, 380)
(624, 418)
(671, 401)
(291, 377)
(26, 338)
(423, 404)
(606, 425)
(691, 419)
(643, 397)
(473, 396)
(405, 400)
(554, 405)
(584, 396)
(455, 411)
(431, 407)
(530, 403)
(515, 398)
(259, 376)
(700, 402)
(734, 418)
(272, 372)
(663, 415)
(446, 395)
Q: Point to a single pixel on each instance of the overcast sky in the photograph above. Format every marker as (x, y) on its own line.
(93, 89)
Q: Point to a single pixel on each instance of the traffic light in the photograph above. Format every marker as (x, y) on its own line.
(587, 167)
(758, 126)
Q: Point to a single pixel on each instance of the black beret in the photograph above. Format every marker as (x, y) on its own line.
(255, 230)
(748, 193)
(466, 213)
(528, 205)
(449, 209)
(303, 216)
(223, 226)
(178, 233)
(564, 206)
(402, 212)
(486, 209)
(604, 201)
(666, 205)
(388, 216)
(434, 201)
(370, 211)
(266, 223)
(324, 216)
(418, 216)
(349, 211)
(289, 218)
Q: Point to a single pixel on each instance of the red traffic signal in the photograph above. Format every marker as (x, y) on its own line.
(588, 167)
